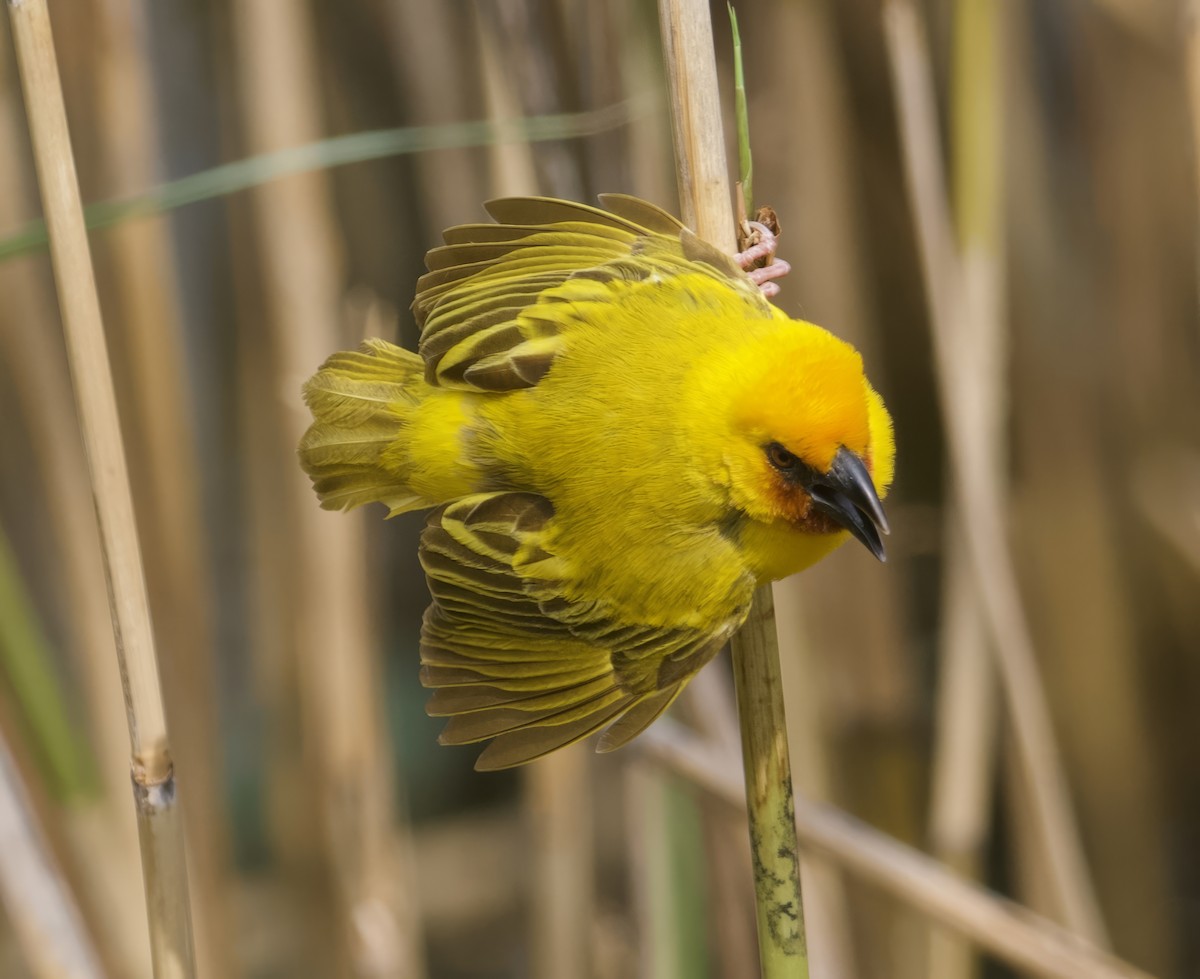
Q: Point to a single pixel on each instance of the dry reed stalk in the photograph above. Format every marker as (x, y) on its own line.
(651, 175)
(983, 511)
(965, 744)
(296, 231)
(510, 163)
(706, 203)
(37, 899)
(709, 705)
(1078, 562)
(163, 457)
(1093, 586)
(600, 32)
(1192, 55)
(733, 932)
(1012, 933)
(530, 35)
(293, 822)
(159, 818)
(436, 64)
(703, 180)
(653, 898)
(965, 732)
(102, 832)
(266, 460)
(557, 799)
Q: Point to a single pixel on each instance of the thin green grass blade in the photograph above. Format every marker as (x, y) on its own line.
(338, 151)
(745, 162)
(25, 663)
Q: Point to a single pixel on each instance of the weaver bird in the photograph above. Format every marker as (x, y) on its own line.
(621, 438)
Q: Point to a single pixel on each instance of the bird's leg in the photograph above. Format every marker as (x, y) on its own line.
(759, 261)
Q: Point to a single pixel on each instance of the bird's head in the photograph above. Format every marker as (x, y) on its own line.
(809, 442)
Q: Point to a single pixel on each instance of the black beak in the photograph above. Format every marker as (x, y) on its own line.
(846, 494)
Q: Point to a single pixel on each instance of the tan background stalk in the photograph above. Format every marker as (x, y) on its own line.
(1192, 36)
(159, 818)
(138, 283)
(983, 519)
(333, 639)
(964, 769)
(1072, 535)
(102, 832)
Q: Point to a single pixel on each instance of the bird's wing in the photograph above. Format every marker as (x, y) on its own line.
(496, 296)
(513, 658)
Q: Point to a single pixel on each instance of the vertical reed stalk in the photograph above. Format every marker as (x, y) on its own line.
(983, 512)
(652, 172)
(156, 401)
(1192, 13)
(297, 234)
(102, 830)
(709, 705)
(438, 76)
(965, 747)
(159, 819)
(705, 198)
(649, 853)
(558, 800)
(704, 193)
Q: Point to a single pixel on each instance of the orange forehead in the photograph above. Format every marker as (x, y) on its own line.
(809, 394)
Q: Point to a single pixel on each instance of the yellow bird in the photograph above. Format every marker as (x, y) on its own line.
(621, 437)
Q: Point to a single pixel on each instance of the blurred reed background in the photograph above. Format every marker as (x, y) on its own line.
(1044, 292)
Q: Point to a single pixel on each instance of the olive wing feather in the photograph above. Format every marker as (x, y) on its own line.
(513, 655)
(497, 297)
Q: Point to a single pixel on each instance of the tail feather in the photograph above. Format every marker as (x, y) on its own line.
(358, 400)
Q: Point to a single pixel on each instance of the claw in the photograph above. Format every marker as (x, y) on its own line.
(762, 277)
(758, 260)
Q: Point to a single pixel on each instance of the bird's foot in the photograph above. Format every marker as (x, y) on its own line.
(759, 240)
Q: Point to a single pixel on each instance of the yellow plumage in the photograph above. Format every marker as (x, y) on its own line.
(622, 438)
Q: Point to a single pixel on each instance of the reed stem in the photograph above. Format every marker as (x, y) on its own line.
(705, 197)
(298, 237)
(965, 740)
(163, 865)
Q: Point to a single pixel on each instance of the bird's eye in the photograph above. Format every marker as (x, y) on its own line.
(781, 459)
